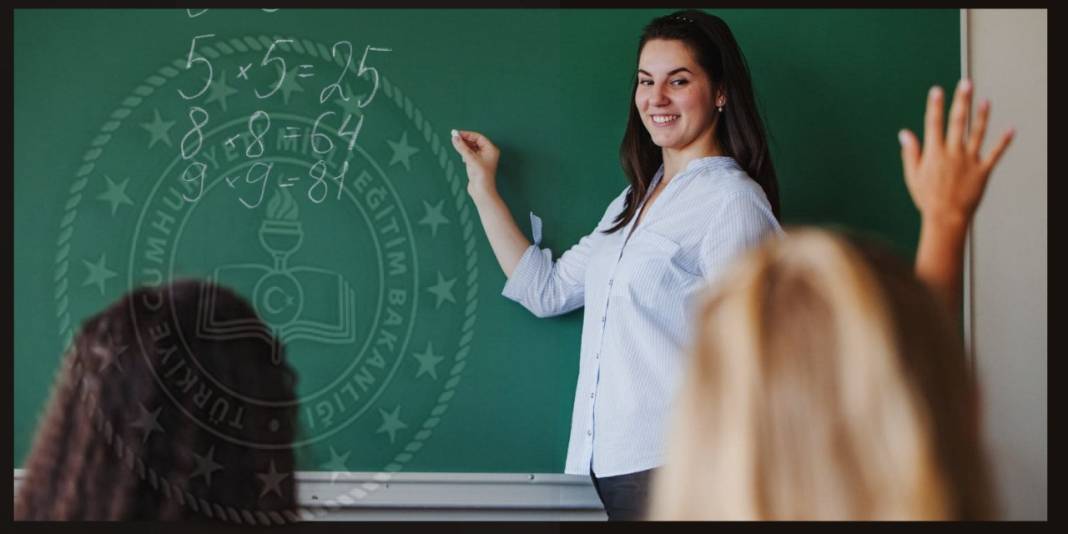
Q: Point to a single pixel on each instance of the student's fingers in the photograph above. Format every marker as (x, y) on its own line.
(932, 130)
(975, 139)
(958, 114)
(995, 155)
(910, 153)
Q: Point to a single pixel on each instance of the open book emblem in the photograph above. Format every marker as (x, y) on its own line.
(279, 290)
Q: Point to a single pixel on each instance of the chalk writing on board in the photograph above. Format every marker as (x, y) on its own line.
(194, 13)
(281, 67)
(259, 122)
(196, 171)
(194, 58)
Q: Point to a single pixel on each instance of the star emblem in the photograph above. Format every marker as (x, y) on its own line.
(158, 128)
(116, 194)
(402, 152)
(337, 465)
(272, 481)
(148, 421)
(434, 217)
(290, 85)
(442, 290)
(220, 91)
(205, 465)
(98, 273)
(113, 359)
(428, 362)
(350, 106)
(391, 423)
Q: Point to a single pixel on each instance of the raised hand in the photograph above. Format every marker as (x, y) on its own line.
(946, 179)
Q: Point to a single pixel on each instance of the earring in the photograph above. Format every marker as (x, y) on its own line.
(721, 109)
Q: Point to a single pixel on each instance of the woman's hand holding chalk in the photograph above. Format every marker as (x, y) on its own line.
(480, 157)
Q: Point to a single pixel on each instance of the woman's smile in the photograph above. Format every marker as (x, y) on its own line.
(664, 120)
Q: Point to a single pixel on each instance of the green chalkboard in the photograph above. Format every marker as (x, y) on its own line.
(408, 356)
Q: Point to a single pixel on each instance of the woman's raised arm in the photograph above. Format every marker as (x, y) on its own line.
(480, 156)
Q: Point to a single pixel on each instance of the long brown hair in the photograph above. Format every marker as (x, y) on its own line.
(116, 444)
(739, 129)
(827, 383)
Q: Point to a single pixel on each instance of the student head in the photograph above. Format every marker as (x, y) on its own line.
(827, 383)
(716, 76)
(135, 428)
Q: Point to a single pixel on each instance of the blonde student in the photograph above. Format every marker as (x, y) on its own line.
(829, 379)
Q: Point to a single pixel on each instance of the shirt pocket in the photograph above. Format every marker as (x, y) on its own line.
(653, 269)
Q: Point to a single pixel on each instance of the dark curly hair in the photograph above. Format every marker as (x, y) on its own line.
(133, 430)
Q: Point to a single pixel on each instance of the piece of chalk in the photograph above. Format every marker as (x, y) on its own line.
(455, 133)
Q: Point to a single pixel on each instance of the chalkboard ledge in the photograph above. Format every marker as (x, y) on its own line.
(347, 496)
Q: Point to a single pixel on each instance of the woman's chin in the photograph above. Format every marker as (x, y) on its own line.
(664, 141)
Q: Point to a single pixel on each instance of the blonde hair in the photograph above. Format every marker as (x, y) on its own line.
(827, 383)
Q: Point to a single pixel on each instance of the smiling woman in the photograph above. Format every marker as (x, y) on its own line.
(669, 91)
(702, 190)
(690, 68)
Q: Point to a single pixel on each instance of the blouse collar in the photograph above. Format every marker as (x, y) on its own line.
(708, 162)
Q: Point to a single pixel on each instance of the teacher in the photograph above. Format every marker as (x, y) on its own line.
(702, 190)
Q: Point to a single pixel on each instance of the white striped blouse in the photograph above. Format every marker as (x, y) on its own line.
(638, 294)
